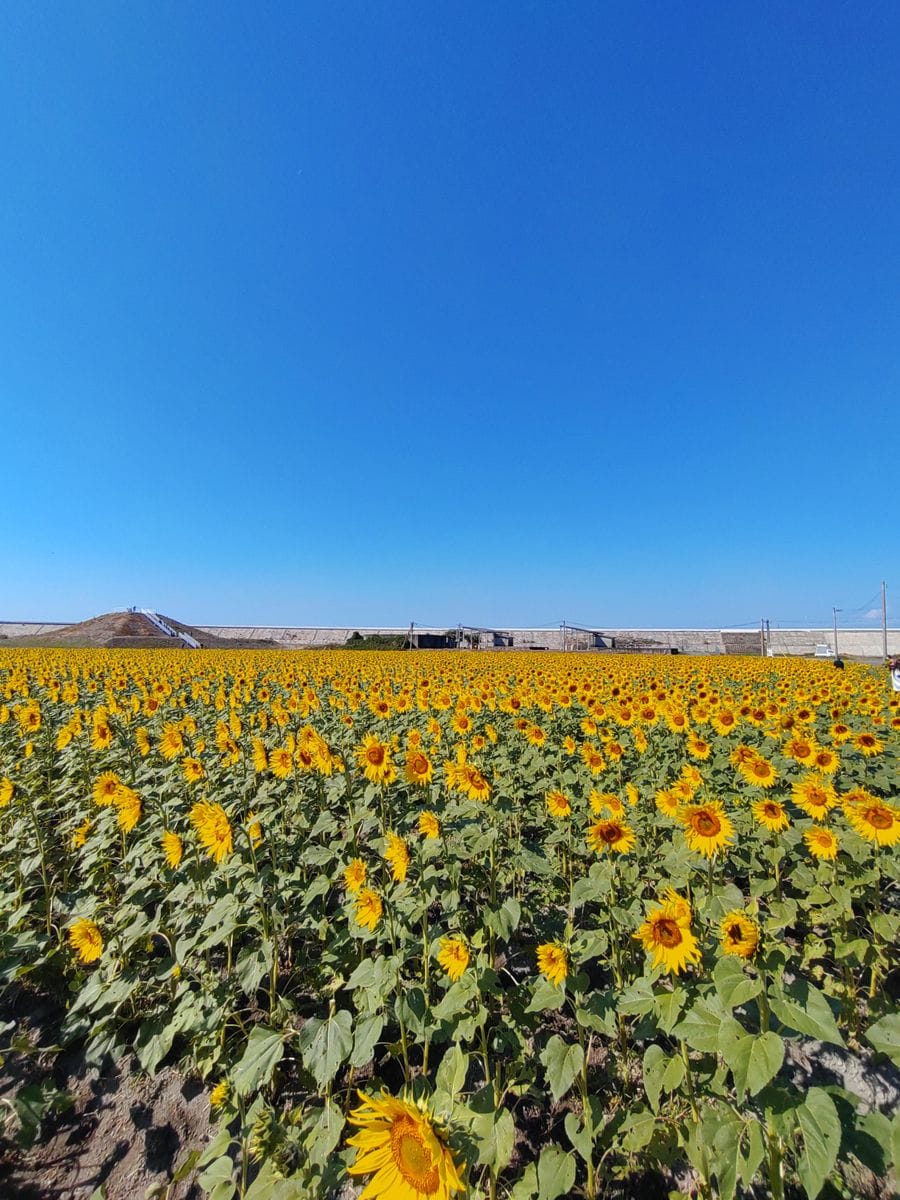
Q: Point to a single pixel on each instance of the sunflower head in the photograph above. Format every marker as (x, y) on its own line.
(398, 1145)
(738, 934)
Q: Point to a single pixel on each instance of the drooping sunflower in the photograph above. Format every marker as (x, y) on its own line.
(679, 907)
(398, 1145)
(611, 833)
(354, 876)
(593, 759)
(172, 848)
(668, 939)
(397, 854)
(171, 744)
(453, 956)
(706, 827)
(7, 787)
(374, 757)
(558, 805)
(129, 808)
(80, 835)
(601, 802)
(86, 940)
(193, 769)
(473, 784)
(821, 843)
(876, 821)
(770, 814)
(418, 769)
(738, 934)
(368, 909)
(553, 962)
(213, 829)
(429, 825)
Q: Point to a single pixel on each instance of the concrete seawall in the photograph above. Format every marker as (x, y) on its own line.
(852, 643)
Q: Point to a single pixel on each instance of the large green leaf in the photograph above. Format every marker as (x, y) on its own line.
(884, 1035)
(754, 1059)
(801, 1006)
(329, 1047)
(263, 1053)
(700, 1028)
(821, 1129)
(555, 1173)
(655, 1061)
(562, 1061)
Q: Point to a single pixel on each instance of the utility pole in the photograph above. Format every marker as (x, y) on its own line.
(762, 636)
(562, 634)
(834, 613)
(884, 620)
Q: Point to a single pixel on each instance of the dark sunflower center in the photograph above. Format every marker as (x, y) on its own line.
(611, 833)
(706, 824)
(668, 934)
(879, 818)
(375, 755)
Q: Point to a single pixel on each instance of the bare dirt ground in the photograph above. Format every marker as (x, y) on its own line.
(124, 1133)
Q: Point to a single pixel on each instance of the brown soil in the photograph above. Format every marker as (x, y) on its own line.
(124, 1131)
(127, 630)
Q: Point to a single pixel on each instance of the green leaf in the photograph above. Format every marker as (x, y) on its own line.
(668, 1007)
(562, 1062)
(153, 1042)
(217, 1180)
(555, 1173)
(725, 1157)
(655, 1060)
(579, 1134)
(368, 1030)
(545, 995)
(801, 1006)
(324, 1134)
(638, 999)
(884, 1035)
(451, 1074)
(525, 1187)
(733, 985)
(263, 1053)
(496, 1134)
(329, 1047)
(699, 1028)
(754, 1059)
(821, 1129)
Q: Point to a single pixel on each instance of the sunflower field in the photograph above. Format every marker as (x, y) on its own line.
(469, 924)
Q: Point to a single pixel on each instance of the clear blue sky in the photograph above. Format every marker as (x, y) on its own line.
(497, 313)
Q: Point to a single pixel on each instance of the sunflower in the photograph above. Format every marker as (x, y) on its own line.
(128, 804)
(665, 935)
(142, 741)
(453, 956)
(697, 747)
(398, 1145)
(631, 794)
(875, 821)
(397, 854)
(759, 772)
(418, 768)
(868, 744)
(679, 907)
(86, 940)
(429, 825)
(553, 962)
(374, 757)
(770, 813)
(171, 744)
(472, 783)
(535, 736)
(219, 1094)
(368, 909)
(281, 762)
(706, 827)
(821, 843)
(354, 876)
(738, 934)
(106, 788)
(254, 829)
(172, 848)
(611, 834)
(593, 759)
(814, 796)
(101, 733)
(193, 769)
(826, 761)
(801, 749)
(213, 829)
(558, 805)
(601, 802)
(260, 756)
(80, 836)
